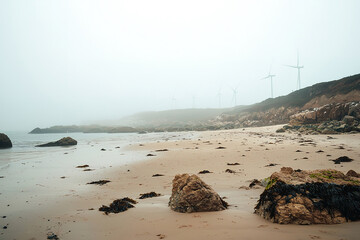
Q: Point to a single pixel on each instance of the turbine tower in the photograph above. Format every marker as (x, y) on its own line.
(298, 68)
(234, 94)
(271, 81)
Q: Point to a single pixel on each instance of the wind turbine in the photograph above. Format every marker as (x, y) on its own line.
(234, 94)
(271, 81)
(298, 68)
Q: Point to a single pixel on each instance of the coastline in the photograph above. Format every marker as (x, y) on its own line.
(69, 216)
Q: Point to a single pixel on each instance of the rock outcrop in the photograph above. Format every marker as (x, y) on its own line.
(5, 141)
(310, 197)
(66, 141)
(191, 194)
(328, 119)
(335, 111)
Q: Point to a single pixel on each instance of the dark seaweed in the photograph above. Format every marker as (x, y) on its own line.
(162, 150)
(233, 164)
(149, 195)
(344, 198)
(204, 171)
(342, 159)
(100, 182)
(118, 205)
(271, 165)
(157, 175)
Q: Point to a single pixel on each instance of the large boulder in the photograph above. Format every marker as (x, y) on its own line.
(310, 197)
(191, 194)
(5, 141)
(66, 141)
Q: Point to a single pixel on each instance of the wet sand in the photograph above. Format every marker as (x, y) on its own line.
(65, 208)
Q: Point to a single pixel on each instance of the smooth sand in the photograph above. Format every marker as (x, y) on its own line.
(66, 212)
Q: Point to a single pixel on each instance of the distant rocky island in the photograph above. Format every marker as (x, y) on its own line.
(84, 129)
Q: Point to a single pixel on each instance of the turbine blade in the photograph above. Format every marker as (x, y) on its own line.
(290, 66)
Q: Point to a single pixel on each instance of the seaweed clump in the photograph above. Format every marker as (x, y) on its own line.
(118, 205)
(310, 203)
(149, 195)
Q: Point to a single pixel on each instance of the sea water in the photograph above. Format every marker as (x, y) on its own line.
(24, 144)
(29, 172)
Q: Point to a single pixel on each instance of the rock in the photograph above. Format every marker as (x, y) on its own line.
(328, 131)
(52, 235)
(191, 194)
(310, 197)
(254, 183)
(286, 170)
(288, 176)
(347, 112)
(352, 173)
(5, 141)
(354, 110)
(348, 119)
(280, 130)
(310, 203)
(66, 141)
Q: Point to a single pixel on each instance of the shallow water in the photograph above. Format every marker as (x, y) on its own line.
(24, 143)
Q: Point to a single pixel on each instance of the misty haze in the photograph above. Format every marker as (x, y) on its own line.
(179, 119)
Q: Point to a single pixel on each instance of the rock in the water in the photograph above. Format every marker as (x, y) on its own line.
(5, 141)
(66, 141)
(191, 194)
(310, 197)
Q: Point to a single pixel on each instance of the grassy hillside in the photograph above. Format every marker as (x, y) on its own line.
(330, 90)
(173, 117)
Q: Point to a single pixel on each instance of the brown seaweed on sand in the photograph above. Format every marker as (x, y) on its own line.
(342, 159)
(233, 164)
(162, 150)
(149, 195)
(100, 182)
(158, 175)
(118, 205)
(82, 166)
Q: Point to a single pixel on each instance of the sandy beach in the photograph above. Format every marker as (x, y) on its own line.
(55, 198)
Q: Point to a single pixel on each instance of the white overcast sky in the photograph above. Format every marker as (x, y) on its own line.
(70, 62)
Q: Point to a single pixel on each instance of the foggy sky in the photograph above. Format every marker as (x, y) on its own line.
(73, 62)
